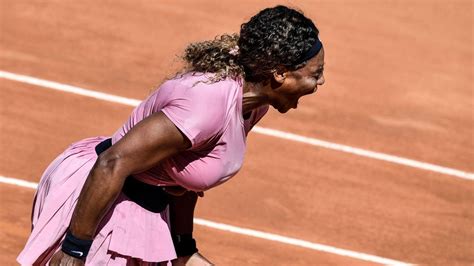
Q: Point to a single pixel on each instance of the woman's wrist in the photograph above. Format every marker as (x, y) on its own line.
(76, 247)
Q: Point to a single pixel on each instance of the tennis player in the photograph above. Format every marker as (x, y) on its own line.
(129, 199)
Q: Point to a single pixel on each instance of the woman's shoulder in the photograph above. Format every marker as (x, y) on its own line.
(197, 107)
(201, 88)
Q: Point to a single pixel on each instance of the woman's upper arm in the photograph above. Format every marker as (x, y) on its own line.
(145, 145)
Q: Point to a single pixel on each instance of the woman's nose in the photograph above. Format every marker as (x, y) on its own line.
(321, 80)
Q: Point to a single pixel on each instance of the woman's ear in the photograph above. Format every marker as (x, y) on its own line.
(279, 76)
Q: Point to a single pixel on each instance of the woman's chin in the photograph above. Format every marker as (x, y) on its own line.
(285, 109)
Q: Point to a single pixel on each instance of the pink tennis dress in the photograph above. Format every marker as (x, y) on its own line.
(210, 115)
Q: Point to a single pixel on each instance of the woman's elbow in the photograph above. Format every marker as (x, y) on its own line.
(109, 168)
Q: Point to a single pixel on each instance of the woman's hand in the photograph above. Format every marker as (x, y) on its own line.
(62, 259)
(194, 260)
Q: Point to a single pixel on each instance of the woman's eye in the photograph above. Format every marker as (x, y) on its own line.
(318, 74)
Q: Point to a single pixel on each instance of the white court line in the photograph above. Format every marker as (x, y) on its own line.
(18, 182)
(365, 153)
(256, 129)
(258, 234)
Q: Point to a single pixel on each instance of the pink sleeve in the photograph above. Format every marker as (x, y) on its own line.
(198, 111)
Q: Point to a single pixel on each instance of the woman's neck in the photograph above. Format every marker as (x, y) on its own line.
(254, 96)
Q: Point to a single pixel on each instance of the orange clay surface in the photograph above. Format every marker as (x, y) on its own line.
(399, 78)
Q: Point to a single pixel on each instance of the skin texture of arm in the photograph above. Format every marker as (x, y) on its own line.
(145, 145)
(150, 141)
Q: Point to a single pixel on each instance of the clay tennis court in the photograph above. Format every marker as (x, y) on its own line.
(399, 78)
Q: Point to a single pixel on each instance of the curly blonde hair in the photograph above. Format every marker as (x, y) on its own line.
(218, 56)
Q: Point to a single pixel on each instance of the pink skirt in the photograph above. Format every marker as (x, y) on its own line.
(128, 234)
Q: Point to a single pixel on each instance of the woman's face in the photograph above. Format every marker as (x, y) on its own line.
(295, 84)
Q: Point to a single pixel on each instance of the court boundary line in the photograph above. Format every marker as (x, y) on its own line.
(255, 233)
(264, 131)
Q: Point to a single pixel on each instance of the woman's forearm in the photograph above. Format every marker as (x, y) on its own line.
(102, 187)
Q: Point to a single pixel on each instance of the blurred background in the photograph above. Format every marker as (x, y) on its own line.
(399, 78)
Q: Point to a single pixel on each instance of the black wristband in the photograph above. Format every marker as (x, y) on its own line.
(185, 245)
(75, 247)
